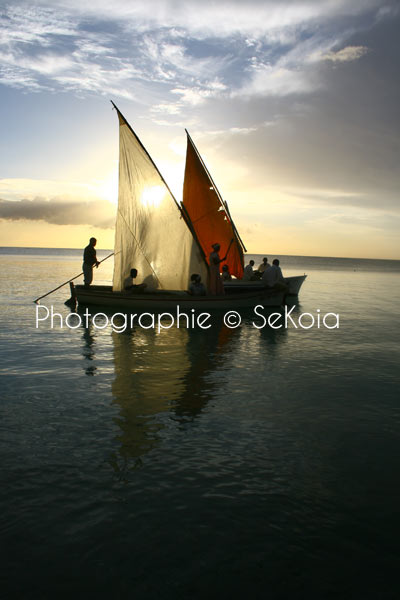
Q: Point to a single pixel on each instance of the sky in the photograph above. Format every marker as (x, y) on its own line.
(293, 105)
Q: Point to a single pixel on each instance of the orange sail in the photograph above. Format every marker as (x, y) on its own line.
(208, 213)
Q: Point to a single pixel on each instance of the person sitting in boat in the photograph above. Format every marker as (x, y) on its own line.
(196, 287)
(264, 265)
(248, 273)
(216, 286)
(131, 286)
(89, 260)
(226, 276)
(273, 277)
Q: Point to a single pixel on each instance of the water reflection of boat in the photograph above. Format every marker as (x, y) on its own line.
(206, 350)
(148, 370)
(157, 237)
(88, 350)
(161, 376)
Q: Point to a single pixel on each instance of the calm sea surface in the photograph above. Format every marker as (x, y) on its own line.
(190, 463)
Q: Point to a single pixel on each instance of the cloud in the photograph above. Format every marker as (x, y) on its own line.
(169, 108)
(198, 95)
(255, 48)
(329, 195)
(59, 211)
(45, 64)
(18, 78)
(255, 19)
(347, 54)
(29, 24)
(363, 199)
(276, 81)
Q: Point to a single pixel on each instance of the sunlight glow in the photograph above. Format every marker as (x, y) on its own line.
(107, 188)
(153, 196)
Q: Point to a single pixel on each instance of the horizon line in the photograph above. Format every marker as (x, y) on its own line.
(246, 253)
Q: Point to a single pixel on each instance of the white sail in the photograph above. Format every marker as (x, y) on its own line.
(150, 233)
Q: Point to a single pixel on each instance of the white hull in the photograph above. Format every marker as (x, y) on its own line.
(239, 285)
(295, 283)
(169, 300)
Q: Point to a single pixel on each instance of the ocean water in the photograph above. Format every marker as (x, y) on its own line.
(188, 463)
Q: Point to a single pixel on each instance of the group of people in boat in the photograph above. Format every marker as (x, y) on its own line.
(271, 275)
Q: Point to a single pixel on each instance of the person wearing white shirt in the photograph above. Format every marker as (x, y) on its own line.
(248, 271)
(264, 265)
(273, 278)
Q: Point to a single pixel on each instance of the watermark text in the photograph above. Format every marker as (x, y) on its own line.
(120, 322)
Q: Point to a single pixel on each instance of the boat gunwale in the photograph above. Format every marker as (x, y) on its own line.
(169, 296)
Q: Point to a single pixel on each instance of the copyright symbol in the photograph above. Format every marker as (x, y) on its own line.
(232, 319)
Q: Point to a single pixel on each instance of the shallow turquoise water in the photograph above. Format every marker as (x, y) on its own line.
(196, 464)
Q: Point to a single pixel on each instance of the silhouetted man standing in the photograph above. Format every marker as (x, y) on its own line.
(89, 259)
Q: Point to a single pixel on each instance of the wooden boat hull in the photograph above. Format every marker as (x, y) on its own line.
(101, 295)
(237, 286)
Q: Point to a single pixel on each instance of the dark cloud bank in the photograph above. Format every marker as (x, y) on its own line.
(98, 213)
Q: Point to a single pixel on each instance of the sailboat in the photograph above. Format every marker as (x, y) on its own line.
(156, 236)
(212, 221)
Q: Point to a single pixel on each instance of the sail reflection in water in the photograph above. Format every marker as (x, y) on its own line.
(159, 373)
(148, 379)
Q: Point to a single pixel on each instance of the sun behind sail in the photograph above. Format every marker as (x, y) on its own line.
(208, 213)
(151, 234)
